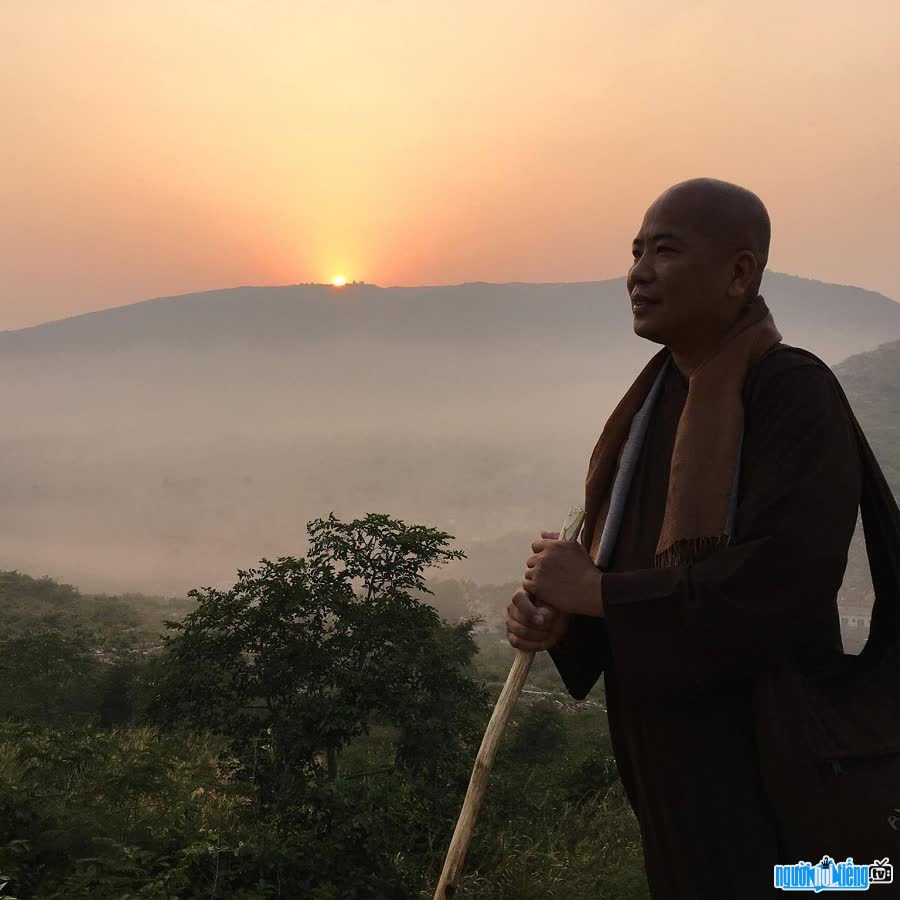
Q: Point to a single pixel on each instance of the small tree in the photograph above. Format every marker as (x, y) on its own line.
(299, 657)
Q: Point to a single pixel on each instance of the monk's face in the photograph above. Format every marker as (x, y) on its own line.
(682, 274)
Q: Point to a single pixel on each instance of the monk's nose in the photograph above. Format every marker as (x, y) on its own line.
(641, 273)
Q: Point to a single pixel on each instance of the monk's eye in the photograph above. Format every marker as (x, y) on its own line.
(664, 249)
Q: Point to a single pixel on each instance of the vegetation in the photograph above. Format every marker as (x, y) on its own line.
(307, 733)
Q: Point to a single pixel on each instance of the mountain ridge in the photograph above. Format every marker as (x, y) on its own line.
(844, 319)
(332, 289)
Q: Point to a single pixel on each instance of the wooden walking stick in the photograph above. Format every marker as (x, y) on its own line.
(465, 824)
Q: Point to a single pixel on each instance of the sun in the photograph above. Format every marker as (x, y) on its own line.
(338, 281)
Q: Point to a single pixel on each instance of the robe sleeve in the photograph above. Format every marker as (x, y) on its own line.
(582, 654)
(771, 595)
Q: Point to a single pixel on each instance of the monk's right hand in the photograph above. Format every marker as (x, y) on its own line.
(530, 627)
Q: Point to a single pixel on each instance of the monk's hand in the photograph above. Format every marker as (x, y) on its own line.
(530, 627)
(562, 575)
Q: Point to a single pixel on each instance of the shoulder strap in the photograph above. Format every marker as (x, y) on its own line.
(881, 524)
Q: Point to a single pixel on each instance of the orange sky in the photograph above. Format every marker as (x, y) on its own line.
(157, 147)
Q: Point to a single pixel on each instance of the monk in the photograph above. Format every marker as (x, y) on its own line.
(718, 522)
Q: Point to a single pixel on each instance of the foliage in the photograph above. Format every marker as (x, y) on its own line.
(118, 690)
(138, 813)
(294, 663)
(541, 733)
(42, 604)
(234, 789)
(48, 676)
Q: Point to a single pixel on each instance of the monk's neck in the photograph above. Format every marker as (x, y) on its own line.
(688, 360)
(689, 356)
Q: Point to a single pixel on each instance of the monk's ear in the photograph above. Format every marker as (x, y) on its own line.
(744, 270)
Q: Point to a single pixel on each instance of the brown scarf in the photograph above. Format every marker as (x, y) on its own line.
(707, 444)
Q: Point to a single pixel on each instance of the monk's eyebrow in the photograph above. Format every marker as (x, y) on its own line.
(661, 236)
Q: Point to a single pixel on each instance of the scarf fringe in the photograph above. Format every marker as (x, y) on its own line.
(690, 550)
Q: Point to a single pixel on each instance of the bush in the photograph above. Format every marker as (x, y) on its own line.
(136, 813)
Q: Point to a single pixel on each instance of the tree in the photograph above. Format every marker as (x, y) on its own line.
(116, 700)
(300, 656)
(47, 676)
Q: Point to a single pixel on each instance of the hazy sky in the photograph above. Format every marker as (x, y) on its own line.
(156, 147)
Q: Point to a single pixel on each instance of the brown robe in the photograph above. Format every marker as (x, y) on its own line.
(679, 647)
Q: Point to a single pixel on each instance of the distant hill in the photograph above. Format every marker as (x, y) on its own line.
(872, 384)
(160, 446)
(835, 321)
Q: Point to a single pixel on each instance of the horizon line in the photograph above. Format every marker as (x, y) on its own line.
(369, 284)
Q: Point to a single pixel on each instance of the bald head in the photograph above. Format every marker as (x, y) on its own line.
(727, 215)
(699, 257)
